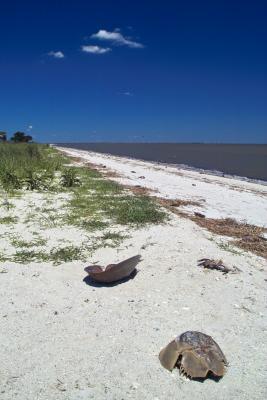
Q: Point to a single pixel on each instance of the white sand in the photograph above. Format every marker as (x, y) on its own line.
(63, 339)
(220, 197)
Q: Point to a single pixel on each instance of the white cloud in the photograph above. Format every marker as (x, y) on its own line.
(95, 49)
(127, 94)
(56, 54)
(29, 127)
(117, 38)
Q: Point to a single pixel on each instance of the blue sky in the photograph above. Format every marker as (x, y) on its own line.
(184, 71)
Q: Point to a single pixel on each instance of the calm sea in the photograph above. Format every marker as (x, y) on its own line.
(245, 160)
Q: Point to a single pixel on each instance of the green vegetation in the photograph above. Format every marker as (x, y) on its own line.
(88, 202)
(24, 244)
(8, 220)
(97, 200)
(112, 239)
(59, 255)
(27, 256)
(28, 166)
(7, 205)
(117, 237)
(69, 178)
(3, 258)
(56, 256)
(67, 254)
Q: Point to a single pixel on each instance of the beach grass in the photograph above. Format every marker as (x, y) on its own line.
(62, 193)
(8, 220)
(97, 200)
(28, 166)
(20, 243)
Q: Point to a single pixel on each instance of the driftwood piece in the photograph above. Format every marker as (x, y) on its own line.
(195, 354)
(113, 272)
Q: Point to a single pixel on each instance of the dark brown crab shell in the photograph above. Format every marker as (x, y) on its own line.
(113, 272)
(196, 354)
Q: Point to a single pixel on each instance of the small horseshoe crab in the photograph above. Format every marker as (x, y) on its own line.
(216, 264)
(113, 272)
(195, 354)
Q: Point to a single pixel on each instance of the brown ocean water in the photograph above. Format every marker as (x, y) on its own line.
(244, 160)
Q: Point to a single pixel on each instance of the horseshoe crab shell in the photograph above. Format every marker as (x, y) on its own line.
(113, 272)
(195, 354)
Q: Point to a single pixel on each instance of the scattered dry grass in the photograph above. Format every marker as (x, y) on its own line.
(256, 244)
(139, 190)
(110, 174)
(228, 227)
(172, 203)
(250, 236)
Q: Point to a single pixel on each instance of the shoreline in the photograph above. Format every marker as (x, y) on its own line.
(219, 197)
(216, 173)
(184, 166)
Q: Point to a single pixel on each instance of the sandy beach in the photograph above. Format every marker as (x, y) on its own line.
(219, 197)
(64, 339)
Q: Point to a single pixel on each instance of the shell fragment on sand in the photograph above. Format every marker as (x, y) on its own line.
(113, 272)
(195, 354)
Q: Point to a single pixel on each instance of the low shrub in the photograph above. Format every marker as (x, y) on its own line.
(69, 178)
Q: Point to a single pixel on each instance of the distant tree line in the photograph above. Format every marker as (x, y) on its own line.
(18, 137)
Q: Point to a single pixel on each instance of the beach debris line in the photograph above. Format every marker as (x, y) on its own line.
(216, 264)
(195, 354)
(113, 272)
(249, 236)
